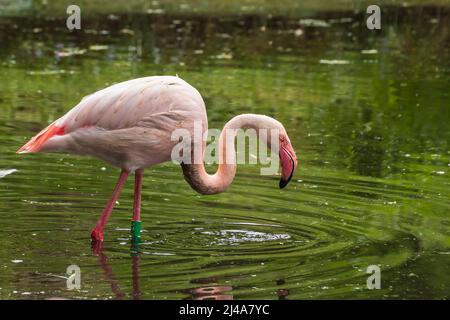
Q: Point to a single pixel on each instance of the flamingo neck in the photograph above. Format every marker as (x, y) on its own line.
(205, 183)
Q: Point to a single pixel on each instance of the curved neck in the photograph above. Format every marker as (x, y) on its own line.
(205, 183)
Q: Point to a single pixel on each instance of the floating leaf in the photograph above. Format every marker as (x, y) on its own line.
(314, 23)
(369, 51)
(68, 52)
(4, 173)
(225, 56)
(323, 61)
(98, 47)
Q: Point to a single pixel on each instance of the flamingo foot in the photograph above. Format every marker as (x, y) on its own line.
(96, 236)
(97, 247)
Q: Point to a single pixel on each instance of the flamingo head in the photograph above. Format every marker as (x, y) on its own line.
(288, 160)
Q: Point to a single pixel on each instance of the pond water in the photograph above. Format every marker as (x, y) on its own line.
(367, 112)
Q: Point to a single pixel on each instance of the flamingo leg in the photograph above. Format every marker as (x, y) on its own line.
(135, 277)
(137, 195)
(97, 232)
(136, 221)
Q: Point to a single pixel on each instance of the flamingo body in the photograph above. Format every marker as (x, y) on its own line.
(130, 126)
(137, 117)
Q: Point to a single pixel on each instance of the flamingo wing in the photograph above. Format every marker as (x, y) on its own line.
(125, 105)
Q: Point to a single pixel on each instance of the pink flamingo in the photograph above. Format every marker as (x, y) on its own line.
(129, 125)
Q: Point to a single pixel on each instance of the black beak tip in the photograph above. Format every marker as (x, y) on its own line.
(283, 183)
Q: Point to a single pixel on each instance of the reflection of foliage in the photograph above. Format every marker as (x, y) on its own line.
(367, 151)
(217, 7)
(372, 137)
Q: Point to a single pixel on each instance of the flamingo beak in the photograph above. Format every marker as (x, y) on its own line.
(288, 162)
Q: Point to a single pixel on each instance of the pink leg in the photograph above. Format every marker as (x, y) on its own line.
(137, 195)
(135, 276)
(97, 232)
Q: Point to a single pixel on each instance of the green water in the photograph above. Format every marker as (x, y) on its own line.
(367, 112)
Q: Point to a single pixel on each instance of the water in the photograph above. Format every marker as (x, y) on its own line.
(366, 111)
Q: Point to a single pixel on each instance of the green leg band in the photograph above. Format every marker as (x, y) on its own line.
(136, 231)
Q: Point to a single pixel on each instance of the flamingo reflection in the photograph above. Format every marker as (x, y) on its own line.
(211, 293)
(97, 249)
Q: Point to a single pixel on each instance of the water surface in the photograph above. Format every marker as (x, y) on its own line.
(367, 112)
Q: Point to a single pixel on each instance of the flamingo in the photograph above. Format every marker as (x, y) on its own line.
(129, 126)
